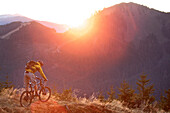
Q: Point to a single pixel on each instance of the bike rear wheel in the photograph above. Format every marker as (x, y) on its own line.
(25, 99)
(45, 94)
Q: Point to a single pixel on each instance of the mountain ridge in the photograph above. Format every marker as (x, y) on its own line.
(6, 19)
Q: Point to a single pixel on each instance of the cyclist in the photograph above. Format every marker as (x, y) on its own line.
(30, 68)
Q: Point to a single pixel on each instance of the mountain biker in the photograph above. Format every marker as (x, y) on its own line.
(30, 68)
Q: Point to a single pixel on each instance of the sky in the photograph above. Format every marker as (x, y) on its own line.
(70, 12)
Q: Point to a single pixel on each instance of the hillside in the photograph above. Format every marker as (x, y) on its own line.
(123, 41)
(24, 44)
(9, 103)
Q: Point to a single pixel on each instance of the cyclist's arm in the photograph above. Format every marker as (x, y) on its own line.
(41, 72)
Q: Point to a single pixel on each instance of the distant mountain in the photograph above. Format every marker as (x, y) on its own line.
(6, 19)
(121, 43)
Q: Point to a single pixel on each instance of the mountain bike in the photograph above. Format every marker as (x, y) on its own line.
(43, 92)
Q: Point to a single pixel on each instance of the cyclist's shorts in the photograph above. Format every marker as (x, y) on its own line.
(29, 77)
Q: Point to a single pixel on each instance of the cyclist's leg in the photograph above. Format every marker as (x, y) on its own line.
(26, 80)
(33, 80)
(35, 87)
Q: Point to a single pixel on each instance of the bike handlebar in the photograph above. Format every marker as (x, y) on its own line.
(42, 81)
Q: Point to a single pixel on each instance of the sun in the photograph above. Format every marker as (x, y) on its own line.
(70, 12)
(75, 12)
(76, 22)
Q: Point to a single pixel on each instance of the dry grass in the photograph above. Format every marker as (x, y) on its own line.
(9, 103)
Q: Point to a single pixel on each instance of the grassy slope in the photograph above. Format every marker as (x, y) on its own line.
(9, 103)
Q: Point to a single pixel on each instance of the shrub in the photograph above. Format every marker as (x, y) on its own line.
(66, 95)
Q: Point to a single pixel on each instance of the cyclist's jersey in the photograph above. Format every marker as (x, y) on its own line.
(33, 67)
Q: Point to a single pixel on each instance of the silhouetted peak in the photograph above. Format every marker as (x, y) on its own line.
(133, 8)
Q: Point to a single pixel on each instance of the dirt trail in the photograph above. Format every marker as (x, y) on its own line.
(7, 36)
(47, 107)
(68, 107)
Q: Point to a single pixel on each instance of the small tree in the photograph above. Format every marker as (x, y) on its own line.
(101, 97)
(165, 101)
(145, 90)
(6, 84)
(126, 93)
(111, 94)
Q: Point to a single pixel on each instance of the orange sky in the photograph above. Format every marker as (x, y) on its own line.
(71, 12)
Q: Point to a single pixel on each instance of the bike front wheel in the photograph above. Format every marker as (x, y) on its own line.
(25, 99)
(45, 94)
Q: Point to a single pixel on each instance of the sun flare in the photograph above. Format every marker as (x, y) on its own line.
(70, 12)
(75, 12)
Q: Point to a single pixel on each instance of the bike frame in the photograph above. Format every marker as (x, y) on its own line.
(40, 85)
